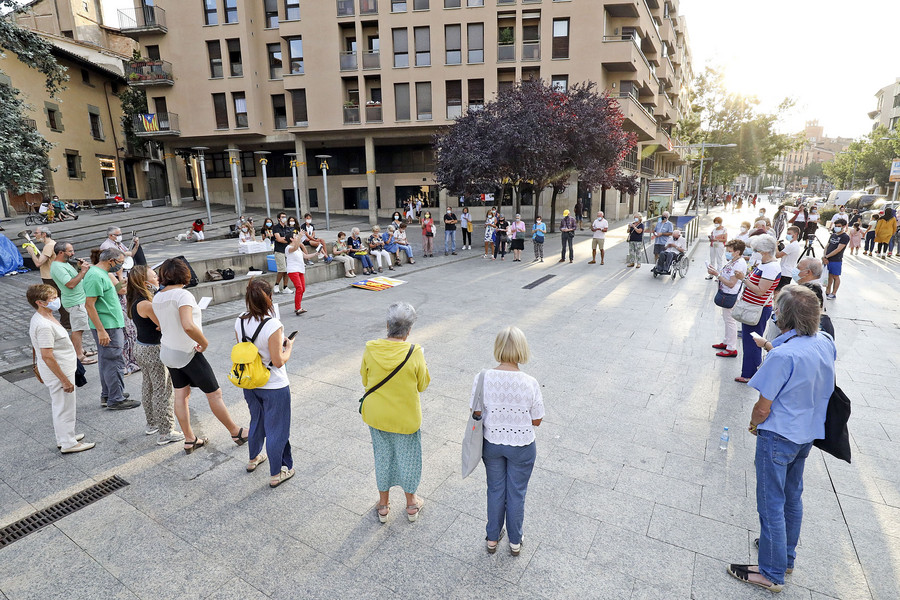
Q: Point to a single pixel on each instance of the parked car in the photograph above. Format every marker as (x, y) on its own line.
(862, 201)
(877, 208)
(838, 197)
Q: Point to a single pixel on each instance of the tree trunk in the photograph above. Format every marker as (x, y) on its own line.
(553, 210)
(517, 199)
(537, 204)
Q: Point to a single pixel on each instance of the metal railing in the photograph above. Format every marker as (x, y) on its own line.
(506, 52)
(531, 51)
(454, 109)
(348, 61)
(143, 18)
(148, 72)
(150, 124)
(351, 115)
(371, 60)
(374, 113)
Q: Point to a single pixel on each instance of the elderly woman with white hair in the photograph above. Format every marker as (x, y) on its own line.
(394, 373)
(759, 288)
(376, 249)
(360, 251)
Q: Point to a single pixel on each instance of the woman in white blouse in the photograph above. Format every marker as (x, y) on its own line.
(513, 407)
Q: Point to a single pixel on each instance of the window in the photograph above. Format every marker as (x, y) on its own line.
(53, 119)
(96, 126)
(451, 3)
(291, 10)
(423, 101)
(231, 11)
(561, 38)
(236, 65)
(270, 7)
(560, 83)
(279, 111)
(214, 49)
(896, 100)
(401, 102)
(240, 110)
(422, 36)
(454, 99)
(531, 41)
(86, 76)
(248, 165)
(73, 164)
(274, 51)
(298, 106)
(210, 14)
(476, 94)
(295, 55)
(221, 111)
(421, 4)
(153, 52)
(401, 47)
(453, 44)
(398, 5)
(474, 2)
(476, 42)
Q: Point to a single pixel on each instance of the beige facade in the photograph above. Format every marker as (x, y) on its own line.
(887, 110)
(369, 82)
(815, 148)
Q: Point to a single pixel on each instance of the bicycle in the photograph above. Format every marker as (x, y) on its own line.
(35, 217)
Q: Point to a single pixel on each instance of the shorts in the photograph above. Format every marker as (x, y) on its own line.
(834, 268)
(196, 373)
(784, 281)
(597, 243)
(78, 318)
(280, 263)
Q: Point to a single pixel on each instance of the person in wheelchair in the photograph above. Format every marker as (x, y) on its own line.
(676, 248)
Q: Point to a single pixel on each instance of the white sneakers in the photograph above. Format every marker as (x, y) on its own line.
(168, 438)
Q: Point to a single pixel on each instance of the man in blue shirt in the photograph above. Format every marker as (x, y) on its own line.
(795, 383)
(662, 234)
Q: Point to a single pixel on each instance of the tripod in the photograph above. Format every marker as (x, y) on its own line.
(810, 249)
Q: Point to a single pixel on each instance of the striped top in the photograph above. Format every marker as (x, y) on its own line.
(772, 272)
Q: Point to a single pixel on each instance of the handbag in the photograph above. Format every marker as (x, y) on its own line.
(34, 366)
(214, 275)
(473, 439)
(386, 379)
(837, 438)
(80, 379)
(745, 312)
(725, 300)
(227, 274)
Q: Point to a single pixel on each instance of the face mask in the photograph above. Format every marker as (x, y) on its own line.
(283, 221)
(838, 229)
(309, 220)
(728, 256)
(268, 223)
(795, 274)
(743, 230)
(538, 221)
(244, 229)
(665, 218)
(118, 238)
(789, 237)
(637, 220)
(54, 304)
(748, 252)
(115, 268)
(291, 224)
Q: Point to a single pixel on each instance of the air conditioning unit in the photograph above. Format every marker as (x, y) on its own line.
(145, 166)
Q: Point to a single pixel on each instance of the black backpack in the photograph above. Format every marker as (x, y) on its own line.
(194, 281)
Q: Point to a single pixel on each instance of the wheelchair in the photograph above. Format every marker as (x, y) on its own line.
(678, 266)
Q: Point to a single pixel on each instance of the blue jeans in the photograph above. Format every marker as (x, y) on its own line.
(450, 241)
(111, 363)
(752, 354)
(270, 421)
(508, 470)
(779, 486)
(365, 260)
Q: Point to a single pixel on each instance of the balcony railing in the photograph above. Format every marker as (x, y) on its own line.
(506, 52)
(351, 115)
(144, 19)
(346, 8)
(454, 109)
(148, 72)
(531, 51)
(368, 7)
(156, 124)
(348, 61)
(373, 113)
(371, 60)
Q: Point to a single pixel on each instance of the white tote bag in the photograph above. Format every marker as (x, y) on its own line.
(474, 436)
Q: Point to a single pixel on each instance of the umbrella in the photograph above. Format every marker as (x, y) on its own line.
(773, 187)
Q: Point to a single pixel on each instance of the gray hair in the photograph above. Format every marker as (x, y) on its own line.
(111, 230)
(62, 246)
(812, 265)
(354, 231)
(390, 228)
(674, 231)
(110, 254)
(43, 229)
(400, 319)
(798, 308)
(764, 244)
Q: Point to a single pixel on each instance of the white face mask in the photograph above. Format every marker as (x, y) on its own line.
(309, 220)
(118, 238)
(54, 304)
(636, 220)
(838, 229)
(743, 230)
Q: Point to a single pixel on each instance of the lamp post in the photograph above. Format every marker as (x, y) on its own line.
(264, 161)
(234, 157)
(324, 166)
(202, 158)
(294, 166)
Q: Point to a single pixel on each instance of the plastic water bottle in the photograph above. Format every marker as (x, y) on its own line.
(723, 440)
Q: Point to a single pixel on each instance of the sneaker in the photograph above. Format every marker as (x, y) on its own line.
(831, 296)
(287, 290)
(104, 403)
(328, 259)
(515, 549)
(151, 430)
(629, 265)
(124, 405)
(453, 253)
(275, 289)
(79, 447)
(168, 438)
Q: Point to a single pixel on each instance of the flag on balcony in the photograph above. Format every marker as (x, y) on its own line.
(648, 150)
(149, 122)
(669, 144)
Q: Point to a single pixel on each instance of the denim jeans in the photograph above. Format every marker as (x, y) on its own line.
(111, 363)
(752, 354)
(779, 485)
(508, 470)
(450, 241)
(566, 238)
(270, 421)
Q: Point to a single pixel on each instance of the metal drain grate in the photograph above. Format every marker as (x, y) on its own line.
(51, 514)
(538, 282)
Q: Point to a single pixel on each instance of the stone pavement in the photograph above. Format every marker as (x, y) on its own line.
(630, 498)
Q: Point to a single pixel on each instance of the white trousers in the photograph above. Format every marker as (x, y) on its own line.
(62, 405)
(731, 328)
(379, 254)
(717, 255)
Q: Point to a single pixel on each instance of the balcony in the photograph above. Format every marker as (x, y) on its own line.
(664, 108)
(348, 61)
(531, 51)
(373, 113)
(667, 31)
(156, 125)
(506, 53)
(371, 60)
(666, 72)
(351, 115)
(368, 7)
(621, 54)
(147, 19)
(637, 118)
(142, 73)
(346, 8)
(622, 9)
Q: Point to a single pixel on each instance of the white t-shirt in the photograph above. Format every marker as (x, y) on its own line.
(176, 347)
(791, 256)
(843, 216)
(512, 399)
(600, 225)
(680, 244)
(294, 260)
(277, 375)
(44, 333)
(729, 270)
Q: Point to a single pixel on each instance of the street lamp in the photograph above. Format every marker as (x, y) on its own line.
(324, 166)
(202, 158)
(264, 161)
(294, 165)
(234, 157)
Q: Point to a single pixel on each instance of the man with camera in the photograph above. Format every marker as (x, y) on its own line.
(67, 273)
(114, 240)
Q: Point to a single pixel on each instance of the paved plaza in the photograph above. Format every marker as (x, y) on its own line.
(631, 497)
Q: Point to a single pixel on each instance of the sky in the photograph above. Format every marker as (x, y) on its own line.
(831, 57)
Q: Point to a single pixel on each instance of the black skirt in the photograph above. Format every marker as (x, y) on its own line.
(517, 244)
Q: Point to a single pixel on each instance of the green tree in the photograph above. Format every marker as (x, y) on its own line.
(134, 102)
(868, 159)
(23, 151)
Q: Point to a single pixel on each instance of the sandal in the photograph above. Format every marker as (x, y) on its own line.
(240, 439)
(198, 442)
(742, 573)
(88, 360)
(742, 379)
(255, 462)
(417, 508)
(283, 476)
(491, 545)
(383, 516)
(90, 353)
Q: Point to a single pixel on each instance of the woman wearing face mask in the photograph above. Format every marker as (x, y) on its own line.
(517, 235)
(360, 251)
(812, 222)
(427, 235)
(396, 219)
(158, 395)
(744, 235)
(465, 224)
(759, 289)
(246, 234)
(502, 234)
(789, 256)
(267, 234)
(490, 222)
(717, 238)
(376, 249)
(779, 221)
(538, 232)
(56, 362)
(342, 254)
(729, 278)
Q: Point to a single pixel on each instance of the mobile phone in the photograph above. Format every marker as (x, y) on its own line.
(291, 337)
(755, 335)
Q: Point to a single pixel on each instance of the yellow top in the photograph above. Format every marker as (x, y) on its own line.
(395, 406)
(884, 229)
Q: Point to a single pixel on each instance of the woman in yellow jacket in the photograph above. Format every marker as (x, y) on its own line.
(884, 231)
(391, 409)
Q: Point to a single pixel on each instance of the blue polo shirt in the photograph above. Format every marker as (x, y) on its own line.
(664, 229)
(798, 377)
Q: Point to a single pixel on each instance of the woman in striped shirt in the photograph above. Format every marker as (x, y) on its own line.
(759, 288)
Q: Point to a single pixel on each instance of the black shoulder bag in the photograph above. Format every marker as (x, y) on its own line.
(386, 379)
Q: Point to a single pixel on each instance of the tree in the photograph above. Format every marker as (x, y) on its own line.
(134, 102)
(23, 151)
(534, 136)
(867, 159)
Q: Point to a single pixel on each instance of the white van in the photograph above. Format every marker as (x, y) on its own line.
(838, 197)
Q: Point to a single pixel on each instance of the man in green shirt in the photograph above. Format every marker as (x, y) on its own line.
(71, 293)
(108, 326)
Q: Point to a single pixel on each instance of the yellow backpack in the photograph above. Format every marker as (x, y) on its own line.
(247, 368)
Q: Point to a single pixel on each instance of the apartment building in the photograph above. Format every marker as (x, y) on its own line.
(815, 148)
(887, 111)
(275, 83)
